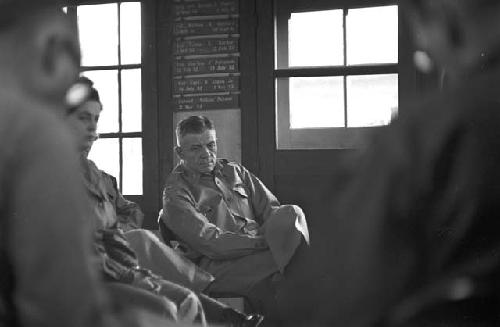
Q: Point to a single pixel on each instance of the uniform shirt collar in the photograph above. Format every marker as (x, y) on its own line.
(194, 176)
(92, 179)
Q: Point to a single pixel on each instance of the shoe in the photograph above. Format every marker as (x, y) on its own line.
(252, 320)
(237, 319)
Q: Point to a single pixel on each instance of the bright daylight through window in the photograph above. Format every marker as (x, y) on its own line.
(336, 75)
(110, 36)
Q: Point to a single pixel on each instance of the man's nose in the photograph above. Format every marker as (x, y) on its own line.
(205, 152)
(92, 127)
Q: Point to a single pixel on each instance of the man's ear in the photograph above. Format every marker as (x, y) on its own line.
(58, 61)
(441, 35)
(178, 151)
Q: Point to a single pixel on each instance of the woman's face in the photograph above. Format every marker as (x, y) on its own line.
(83, 122)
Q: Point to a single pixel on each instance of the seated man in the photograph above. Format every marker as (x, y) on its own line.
(227, 220)
(120, 263)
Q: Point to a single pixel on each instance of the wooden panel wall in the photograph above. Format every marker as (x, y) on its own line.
(232, 52)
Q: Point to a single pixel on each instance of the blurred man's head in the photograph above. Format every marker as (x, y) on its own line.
(197, 143)
(39, 50)
(459, 35)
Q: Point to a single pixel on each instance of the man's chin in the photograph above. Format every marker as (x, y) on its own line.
(85, 149)
(206, 168)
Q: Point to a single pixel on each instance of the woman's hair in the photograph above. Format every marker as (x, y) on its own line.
(90, 93)
(93, 94)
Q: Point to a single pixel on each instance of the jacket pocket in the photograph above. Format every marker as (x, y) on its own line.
(243, 202)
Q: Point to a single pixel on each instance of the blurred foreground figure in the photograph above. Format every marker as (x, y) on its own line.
(414, 237)
(45, 275)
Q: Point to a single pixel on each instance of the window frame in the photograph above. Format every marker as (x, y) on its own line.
(150, 200)
(331, 137)
(119, 68)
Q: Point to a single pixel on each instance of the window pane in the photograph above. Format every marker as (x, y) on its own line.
(105, 153)
(131, 100)
(98, 27)
(371, 99)
(132, 166)
(130, 32)
(106, 83)
(372, 35)
(316, 38)
(316, 102)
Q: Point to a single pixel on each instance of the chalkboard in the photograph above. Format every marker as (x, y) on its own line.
(206, 84)
(205, 46)
(204, 27)
(205, 55)
(206, 102)
(206, 66)
(205, 7)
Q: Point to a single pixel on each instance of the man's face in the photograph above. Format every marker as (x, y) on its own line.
(199, 151)
(83, 122)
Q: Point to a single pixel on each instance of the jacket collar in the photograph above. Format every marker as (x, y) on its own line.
(92, 179)
(194, 176)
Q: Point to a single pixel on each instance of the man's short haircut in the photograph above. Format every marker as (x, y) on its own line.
(12, 10)
(193, 125)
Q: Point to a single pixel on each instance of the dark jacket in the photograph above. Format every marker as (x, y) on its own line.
(420, 208)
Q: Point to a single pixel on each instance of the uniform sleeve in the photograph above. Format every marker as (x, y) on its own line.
(264, 203)
(128, 213)
(50, 238)
(189, 224)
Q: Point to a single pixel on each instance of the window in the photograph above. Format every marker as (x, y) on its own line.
(110, 37)
(336, 74)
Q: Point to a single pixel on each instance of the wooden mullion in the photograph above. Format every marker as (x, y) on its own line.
(150, 139)
(111, 67)
(120, 110)
(344, 78)
(315, 5)
(266, 91)
(121, 135)
(338, 70)
(94, 2)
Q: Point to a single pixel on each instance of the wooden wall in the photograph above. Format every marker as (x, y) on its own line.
(232, 41)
